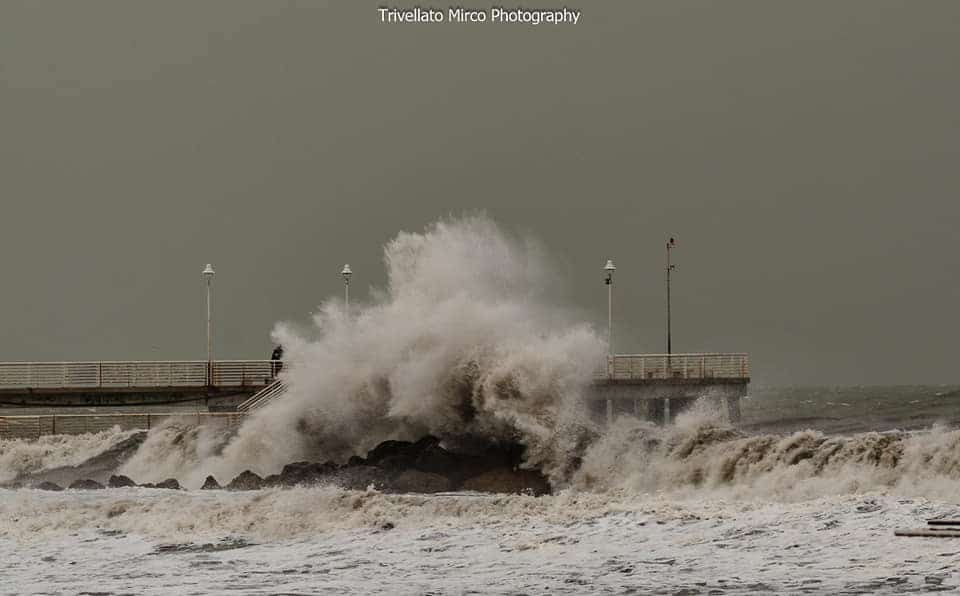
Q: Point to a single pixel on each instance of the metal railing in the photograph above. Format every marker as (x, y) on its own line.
(34, 427)
(676, 366)
(141, 374)
(263, 397)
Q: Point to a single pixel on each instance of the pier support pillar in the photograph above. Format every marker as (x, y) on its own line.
(733, 408)
(655, 410)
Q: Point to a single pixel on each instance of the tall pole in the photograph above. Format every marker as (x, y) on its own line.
(208, 274)
(610, 319)
(209, 325)
(609, 268)
(671, 243)
(346, 273)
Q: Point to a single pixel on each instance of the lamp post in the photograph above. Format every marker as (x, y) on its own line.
(346, 273)
(608, 280)
(671, 244)
(609, 268)
(208, 274)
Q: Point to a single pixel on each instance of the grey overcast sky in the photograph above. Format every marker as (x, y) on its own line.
(805, 153)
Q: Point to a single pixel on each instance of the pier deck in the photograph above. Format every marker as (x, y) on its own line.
(130, 382)
(654, 386)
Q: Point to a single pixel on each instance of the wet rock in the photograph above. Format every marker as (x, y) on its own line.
(360, 477)
(437, 460)
(247, 480)
(210, 484)
(98, 467)
(86, 484)
(120, 481)
(47, 486)
(492, 457)
(392, 455)
(356, 460)
(169, 483)
(208, 547)
(509, 480)
(303, 472)
(415, 481)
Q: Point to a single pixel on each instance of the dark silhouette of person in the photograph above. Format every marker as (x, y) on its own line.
(277, 358)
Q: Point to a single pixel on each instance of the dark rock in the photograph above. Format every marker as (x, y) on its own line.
(169, 483)
(437, 460)
(120, 481)
(390, 449)
(86, 484)
(356, 460)
(273, 480)
(47, 486)
(98, 467)
(305, 473)
(400, 449)
(401, 455)
(401, 461)
(360, 477)
(425, 443)
(509, 480)
(415, 481)
(480, 460)
(247, 480)
(210, 484)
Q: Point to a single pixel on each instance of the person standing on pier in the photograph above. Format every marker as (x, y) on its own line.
(277, 358)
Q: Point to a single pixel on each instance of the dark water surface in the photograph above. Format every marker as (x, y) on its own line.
(847, 410)
(833, 410)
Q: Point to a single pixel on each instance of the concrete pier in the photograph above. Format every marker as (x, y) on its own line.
(222, 383)
(658, 387)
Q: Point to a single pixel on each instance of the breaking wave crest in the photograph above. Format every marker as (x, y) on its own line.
(20, 458)
(699, 455)
(464, 342)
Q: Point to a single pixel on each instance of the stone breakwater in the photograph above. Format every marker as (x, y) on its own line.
(423, 466)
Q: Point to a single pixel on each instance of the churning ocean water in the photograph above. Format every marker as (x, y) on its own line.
(467, 344)
(803, 499)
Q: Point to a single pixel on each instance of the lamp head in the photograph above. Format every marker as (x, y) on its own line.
(208, 270)
(346, 273)
(609, 268)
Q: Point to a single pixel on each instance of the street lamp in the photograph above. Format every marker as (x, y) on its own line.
(208, 274)
(671, 244)
(346, 273)
(609, 268)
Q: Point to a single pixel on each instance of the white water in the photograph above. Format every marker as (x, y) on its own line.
(690, 509)
(465, 341)
(25, 457)
(327, 541)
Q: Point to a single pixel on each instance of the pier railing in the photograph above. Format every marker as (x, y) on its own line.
(34, 427)
(624, 367)
(142, 374)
